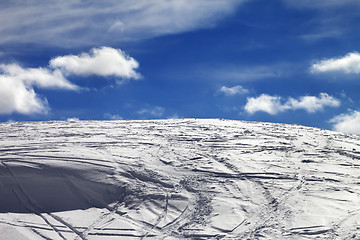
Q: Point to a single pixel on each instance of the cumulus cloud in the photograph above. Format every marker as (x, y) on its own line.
(349, 64)
(313, 104)
(40, 77)
(16, 97)
(104, 61)
(17, 83)
(275, 104)
(264, 103)
(17, 88)
(84, 23)
(347, 123)
(231, 91)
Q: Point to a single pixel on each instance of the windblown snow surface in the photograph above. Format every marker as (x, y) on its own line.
(177, 179)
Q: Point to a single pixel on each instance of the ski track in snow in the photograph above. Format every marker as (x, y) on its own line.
(177, 179)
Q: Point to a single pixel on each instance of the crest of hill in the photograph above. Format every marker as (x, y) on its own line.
(177, 179)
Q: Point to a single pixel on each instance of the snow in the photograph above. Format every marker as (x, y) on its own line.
(177, 179)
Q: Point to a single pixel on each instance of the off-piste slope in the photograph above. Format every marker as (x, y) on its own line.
(177, 179)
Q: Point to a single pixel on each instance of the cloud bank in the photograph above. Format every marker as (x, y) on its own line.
(347, 123)
(349, 64)
(17, 83)
(274, 104)
(83, 23)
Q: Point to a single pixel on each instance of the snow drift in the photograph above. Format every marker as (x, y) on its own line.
(177, 179)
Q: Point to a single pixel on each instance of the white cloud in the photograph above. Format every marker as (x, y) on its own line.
(40, 77)
(17, 88)
(347, 123)
(84, 23)
(16, 97)
(104, 61)
(231, 91)
(17, 83)
(313, 104)
(152, 111)
(349, 64)
(264, 103)
(274, 104)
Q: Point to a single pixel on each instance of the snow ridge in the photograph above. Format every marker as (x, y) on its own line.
(177, 179)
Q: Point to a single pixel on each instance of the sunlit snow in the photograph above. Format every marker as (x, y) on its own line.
(177, 179)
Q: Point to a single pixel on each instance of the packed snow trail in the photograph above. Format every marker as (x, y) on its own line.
(177, 179)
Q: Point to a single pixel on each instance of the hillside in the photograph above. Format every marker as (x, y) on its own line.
(177, 179)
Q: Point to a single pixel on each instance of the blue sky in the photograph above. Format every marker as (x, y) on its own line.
(280, 61)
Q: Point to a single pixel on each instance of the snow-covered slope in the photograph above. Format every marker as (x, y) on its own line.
(176, 179)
